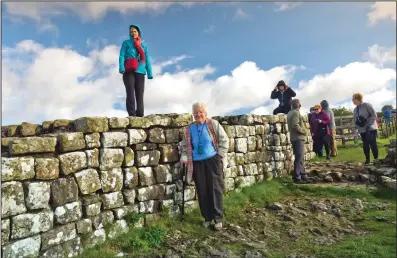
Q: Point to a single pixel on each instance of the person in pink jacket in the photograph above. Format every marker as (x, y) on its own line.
(319, 127)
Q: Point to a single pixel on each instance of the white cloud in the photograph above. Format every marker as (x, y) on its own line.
(380, 55)
(43, 12)
(61, 83)
(210, 29)
(240, 15)
(284, 6)
(382, 11)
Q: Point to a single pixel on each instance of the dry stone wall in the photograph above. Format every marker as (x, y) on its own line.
(64, 182)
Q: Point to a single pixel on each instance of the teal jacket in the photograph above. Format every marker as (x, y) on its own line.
(128, 50)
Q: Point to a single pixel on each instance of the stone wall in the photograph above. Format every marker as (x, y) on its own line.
(64, 182)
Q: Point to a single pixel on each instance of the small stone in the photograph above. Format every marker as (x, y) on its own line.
(146, 177)
(169, 153)
(241, 145)
(139, 122)
(38, 195)
(118, 122)
(328, 179)
(114, 139)
(84, 226)
(68, 213)
(276, 206)
(12, 199)
(28, 129)
(130, 177)
(136, 136)
(103, 219)
(129, 196)
(128, 157)
(181, 120)
(64, 190)
(163, 174)
(93, 140)
(25, 225)
(71, 141)
(92, 209)
(172, 136)
(147, 158)
(145, 146)
(59, 123)
(149, 206)
(17, 169)
(32, 145)
(28, 247)
(91, 124)
(156, 135)
(112, 180)
(9, 130)
(154, 192)
(92, 158)
(58, 235)
(95, 238)
(112, 200)
(117, 228)
(242, 131)
(47, 168)
(111, 158)
(73, 162)
(88, 181)
(5, 231)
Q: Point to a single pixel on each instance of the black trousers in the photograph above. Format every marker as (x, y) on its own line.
(369, 142)
(282, 109)
(319, 143)
(299, 163)
(208, 178)
(135, 87)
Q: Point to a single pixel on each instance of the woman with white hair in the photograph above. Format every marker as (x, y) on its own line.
(203, 147)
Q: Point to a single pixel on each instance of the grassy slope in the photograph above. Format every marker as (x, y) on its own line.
(381, 242)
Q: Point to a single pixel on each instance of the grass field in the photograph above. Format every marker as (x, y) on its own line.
(379, 225)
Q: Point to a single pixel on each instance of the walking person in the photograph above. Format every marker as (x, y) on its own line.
(203, 147)
(284, 94)
(365, 122)
(320, 131)
(298, 134)
(134, 63)
(332, 127)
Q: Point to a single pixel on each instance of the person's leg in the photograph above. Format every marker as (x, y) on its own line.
(364, 138)
(319, 146)
(277, 110)
(139, 93)
(200, 181)
(299, 162)
(214, 170)
(129, 83)
(334, 144)
(286, 109)
(326, 144)
(372, 143)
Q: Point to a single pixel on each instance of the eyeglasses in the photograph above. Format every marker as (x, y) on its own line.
(316, 109)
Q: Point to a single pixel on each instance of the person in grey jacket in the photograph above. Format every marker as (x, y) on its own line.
(298, 136)
(365, 123)
(332, 127)
(203, 147)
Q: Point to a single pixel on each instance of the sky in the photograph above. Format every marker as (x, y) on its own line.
(60, 59)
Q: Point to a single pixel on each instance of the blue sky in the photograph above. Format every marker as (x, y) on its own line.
(317, 36)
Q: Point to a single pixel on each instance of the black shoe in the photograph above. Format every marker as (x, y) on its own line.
(307, 180)
(367, 162)
(299, 181)
(328, 158)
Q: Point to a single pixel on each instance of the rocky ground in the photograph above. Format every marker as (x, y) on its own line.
(310, 220)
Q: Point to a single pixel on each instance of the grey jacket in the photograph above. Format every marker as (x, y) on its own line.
(332, 117)
(367, 111)
(296, 126)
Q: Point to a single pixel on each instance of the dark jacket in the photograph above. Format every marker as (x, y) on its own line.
(284, 97)
(320, 129)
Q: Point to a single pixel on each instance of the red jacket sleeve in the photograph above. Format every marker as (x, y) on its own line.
(327, 119)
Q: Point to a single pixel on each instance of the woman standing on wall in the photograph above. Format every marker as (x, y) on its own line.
(134, 62)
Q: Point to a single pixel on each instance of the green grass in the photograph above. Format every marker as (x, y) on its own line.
(356, 154)
(380, 240)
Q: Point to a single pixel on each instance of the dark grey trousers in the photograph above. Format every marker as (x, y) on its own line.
(135, 87)
(208, 178)
(299, 164)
